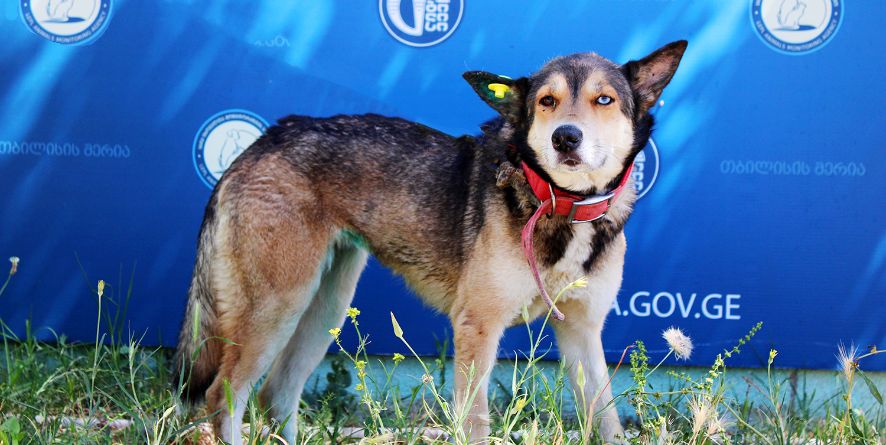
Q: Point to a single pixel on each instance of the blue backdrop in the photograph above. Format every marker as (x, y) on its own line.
(764, 191)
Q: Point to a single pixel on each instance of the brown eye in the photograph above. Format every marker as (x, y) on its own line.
(548, 101)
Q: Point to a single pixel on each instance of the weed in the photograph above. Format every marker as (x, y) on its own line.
(116, 391)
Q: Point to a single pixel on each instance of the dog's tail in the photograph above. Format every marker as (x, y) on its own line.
(198, 353)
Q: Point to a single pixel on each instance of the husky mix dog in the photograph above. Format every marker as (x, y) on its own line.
(288, 229)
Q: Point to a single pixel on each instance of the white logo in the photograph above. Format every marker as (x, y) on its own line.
(421, 22)
(70, 22)
(645, 170)
(665, 304)
(221, 139)
(796, 26)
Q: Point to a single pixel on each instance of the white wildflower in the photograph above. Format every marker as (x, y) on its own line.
(717, 425)
(14, 268)
(848, 360)
(700, 410)
(679, 342)
(665, 436)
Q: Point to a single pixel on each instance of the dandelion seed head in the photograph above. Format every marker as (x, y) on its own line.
(679, 342)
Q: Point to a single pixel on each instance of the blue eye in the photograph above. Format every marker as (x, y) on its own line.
(604, 100)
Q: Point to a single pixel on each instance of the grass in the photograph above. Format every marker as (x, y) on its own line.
(116, 391)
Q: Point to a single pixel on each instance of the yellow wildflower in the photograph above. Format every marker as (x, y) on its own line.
(519, 404)
(581, 282)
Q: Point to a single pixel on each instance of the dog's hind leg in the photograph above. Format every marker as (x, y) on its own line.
(257, 332)
(304, 351)
(266, 267)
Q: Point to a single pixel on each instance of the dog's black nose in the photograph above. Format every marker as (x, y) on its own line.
(566, 138)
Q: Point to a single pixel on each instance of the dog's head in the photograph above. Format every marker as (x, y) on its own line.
(582, 117)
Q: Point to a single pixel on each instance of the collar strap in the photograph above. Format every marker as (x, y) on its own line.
(577, 208)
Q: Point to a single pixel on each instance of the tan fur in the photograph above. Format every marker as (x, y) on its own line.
(268, 256)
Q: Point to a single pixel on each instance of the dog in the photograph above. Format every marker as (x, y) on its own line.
(289, 226)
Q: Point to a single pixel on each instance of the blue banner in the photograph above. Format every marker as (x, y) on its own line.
(763, 189)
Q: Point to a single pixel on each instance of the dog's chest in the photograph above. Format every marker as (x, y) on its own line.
(595, 253)
(578, 251)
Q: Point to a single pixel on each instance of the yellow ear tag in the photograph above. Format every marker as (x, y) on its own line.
(499, 89)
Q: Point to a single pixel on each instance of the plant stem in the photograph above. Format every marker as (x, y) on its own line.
(98, 323)
(6, 283)
(670, 351)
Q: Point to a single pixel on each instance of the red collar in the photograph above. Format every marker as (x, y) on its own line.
(578, 208)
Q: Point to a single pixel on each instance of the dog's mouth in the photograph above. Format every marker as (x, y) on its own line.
(569, 160)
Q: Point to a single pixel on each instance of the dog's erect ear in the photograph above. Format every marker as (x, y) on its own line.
(500, 92)
(649, 75)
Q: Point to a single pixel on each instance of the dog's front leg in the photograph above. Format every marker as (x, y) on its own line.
(579, 340)
(477, 330)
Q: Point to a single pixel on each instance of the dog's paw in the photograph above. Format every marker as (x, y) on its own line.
(612, 432)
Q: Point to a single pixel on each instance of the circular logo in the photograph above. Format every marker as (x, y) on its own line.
(796, 26)
(70, 22)
(221, 139)
(645, 170)
(420, 22)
